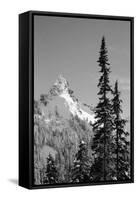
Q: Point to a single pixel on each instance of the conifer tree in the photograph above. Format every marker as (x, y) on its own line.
(103, 127)
(122, 143)
(82, 164)
(51, 173)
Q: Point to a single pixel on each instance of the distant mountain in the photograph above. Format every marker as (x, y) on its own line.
(61, 95)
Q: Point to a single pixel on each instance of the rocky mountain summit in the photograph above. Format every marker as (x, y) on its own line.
(62, 90)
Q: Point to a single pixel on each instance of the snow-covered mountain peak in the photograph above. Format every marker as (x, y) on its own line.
(61, 89)
(61, 85)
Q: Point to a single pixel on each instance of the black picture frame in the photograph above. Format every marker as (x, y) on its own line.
(26, 96)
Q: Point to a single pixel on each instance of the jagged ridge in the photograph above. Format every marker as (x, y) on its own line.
(61, 88)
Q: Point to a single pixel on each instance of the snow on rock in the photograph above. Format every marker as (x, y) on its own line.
(73, 105)
(61, 88)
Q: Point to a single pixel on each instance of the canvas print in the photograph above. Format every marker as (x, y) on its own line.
(81, 100)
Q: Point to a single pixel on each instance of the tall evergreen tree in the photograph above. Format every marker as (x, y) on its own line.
(82, 164)
(51, 173)
(121, 136)
(103, 127)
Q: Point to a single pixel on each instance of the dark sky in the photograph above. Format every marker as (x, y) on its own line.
(70, 47)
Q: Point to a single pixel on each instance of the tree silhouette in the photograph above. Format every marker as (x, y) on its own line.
(82, 165)
(51, 173)
(103, 127)
(122, 143)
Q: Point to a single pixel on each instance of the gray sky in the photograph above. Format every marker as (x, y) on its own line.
(70, 47)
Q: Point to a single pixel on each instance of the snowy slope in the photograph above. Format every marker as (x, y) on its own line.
(61, 89)
(75, 109)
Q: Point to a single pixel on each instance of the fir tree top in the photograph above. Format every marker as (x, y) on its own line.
(105, 69)
(116, 100)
